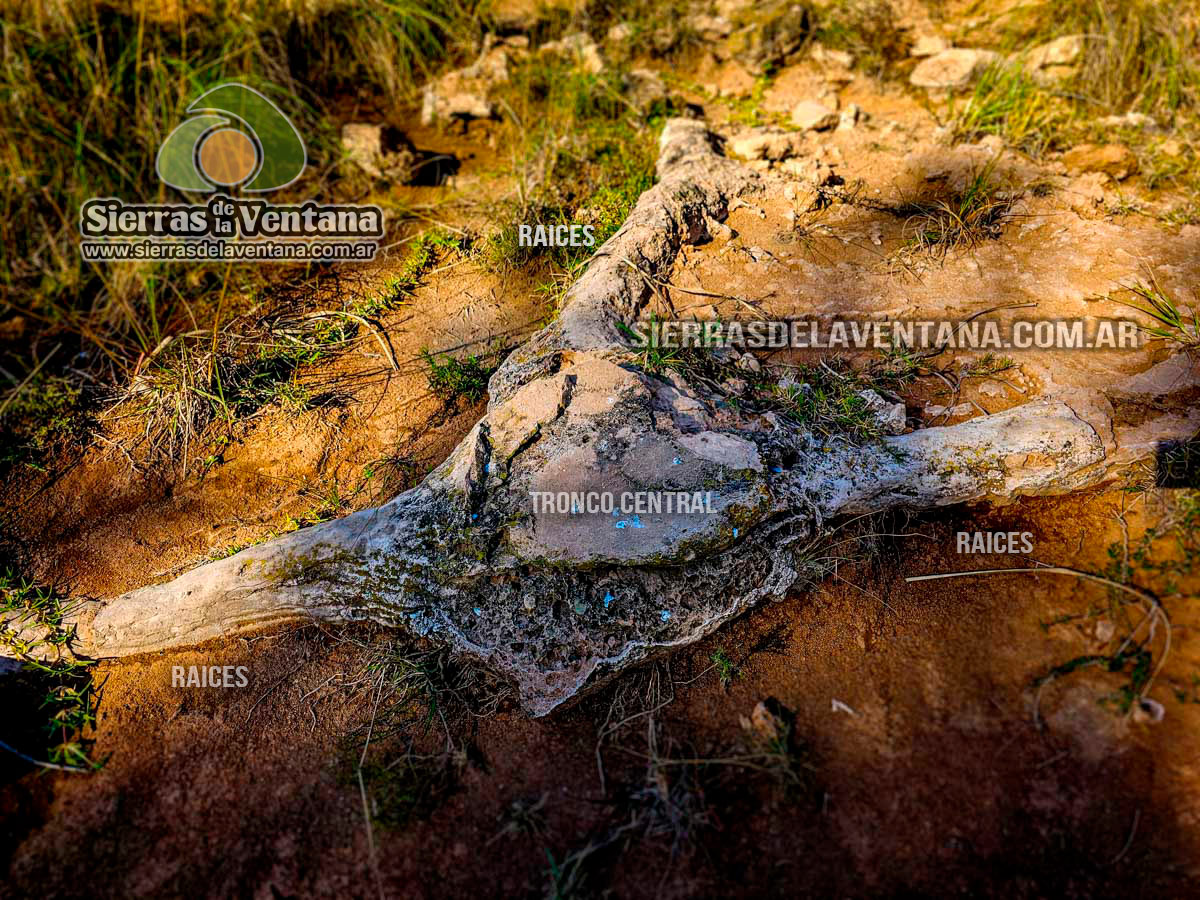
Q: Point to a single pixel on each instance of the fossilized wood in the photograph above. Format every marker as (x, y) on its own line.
(557, 603)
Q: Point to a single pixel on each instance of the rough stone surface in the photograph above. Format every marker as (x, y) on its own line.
(1062, 51)
(646, 88)
(365, 146)
(619, 33)
(712, 28)
(928, 45)
(1054, 62)
(850, 117)
(580, 48)
(819, 53)
(525, 15)
(463, 93)
(890, 417)
(763, 143)
(813, 116)
(952, 69)
(1129, 120)
(1116, 160)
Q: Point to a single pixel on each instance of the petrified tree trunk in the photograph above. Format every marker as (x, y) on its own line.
(557, 602)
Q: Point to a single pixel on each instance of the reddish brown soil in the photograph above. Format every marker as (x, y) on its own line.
(939, 782)
(932, 777)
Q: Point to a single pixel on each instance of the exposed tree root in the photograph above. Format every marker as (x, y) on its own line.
(560, 602)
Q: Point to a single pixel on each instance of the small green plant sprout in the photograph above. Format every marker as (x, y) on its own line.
(829, 398)
(1171, 322)
(726, 669)
(963, 218)
(653, 358)
(987, 366)
(33, 628)
(452, 380)
(897, 366)
(769, 732)
(409, 788)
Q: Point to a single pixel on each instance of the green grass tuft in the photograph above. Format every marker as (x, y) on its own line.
(90, 91)
(1141, 55)
(1171, 323)
(828, 398)
(34, 629)
(963, 218)
(1007, 102)
(453, 380)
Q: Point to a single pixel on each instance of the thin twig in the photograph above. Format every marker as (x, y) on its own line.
(362, 788)
(37, 762)
(1137, 815)
(268, 691)
(1049, 570)
(28, 378)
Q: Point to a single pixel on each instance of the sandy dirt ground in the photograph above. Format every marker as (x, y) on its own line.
(930, 758)
(937, 767)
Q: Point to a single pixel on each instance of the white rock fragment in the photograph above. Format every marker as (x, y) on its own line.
(952, 69)
(646, 87)
(850, 117)
(463, 93)
(812, 116)
(1148, 712)
(890, 417)
(363, 144)
(1130, 120)
(1055, 61)
(619, 33)
(581, 48)
(712, 28)
(767, 144)
(1062, 51)
(928, 45)
(749, 364)
(822, 54)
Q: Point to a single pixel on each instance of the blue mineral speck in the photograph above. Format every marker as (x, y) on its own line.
(676, 461)
(735, 532)
(608, 599)
(665, 615)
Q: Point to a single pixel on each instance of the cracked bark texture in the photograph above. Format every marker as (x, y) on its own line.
(558, 603)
